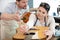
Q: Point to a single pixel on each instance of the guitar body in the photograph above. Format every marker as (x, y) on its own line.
(19, 35)
(26, 17)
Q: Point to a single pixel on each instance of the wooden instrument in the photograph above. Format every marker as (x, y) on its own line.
(25, 17)
(40, 31)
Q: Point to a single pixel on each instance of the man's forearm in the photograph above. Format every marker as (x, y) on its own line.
(6, 16)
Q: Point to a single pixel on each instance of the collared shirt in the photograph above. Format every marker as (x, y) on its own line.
(13, 8)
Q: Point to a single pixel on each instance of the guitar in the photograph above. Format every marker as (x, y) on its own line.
(39, 29)
(25, 17)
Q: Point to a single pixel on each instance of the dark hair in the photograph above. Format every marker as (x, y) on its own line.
(18, 0)
(58, 39)
(0, 13)
(45, 5)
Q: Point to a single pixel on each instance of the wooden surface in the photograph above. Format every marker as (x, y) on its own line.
(40, 30)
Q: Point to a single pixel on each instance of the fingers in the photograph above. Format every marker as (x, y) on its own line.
(49, 37)
(17, 12)
(16, 16)
(48, 33)
(23, 28)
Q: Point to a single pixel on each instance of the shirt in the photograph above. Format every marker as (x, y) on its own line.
(13, 8)
(50, 24)
(10, 26)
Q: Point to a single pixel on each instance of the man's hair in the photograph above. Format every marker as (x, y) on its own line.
(18, 0)
(46, 6)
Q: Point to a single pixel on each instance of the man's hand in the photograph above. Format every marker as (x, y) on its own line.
(6, 16)
(16, 16)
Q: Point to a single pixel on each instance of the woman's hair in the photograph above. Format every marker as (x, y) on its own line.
(45, 5)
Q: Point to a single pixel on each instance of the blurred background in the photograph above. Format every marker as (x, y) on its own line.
(54, 10)
(55, 5)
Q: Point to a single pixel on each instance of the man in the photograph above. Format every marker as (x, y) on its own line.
(12, 13)
(18, 7)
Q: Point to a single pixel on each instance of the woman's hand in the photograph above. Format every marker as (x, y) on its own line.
(48, 33)
(23, 28)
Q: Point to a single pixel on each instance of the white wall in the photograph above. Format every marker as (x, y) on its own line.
(4, 3)
(53, 4)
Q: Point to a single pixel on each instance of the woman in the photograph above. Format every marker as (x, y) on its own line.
(43, 19)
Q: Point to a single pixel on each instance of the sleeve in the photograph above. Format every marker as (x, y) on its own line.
(27, 8)
(52, 25)
(31, 21)
(8, 9)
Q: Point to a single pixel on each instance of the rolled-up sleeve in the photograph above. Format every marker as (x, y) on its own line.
(52, 25)
(31, 21)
